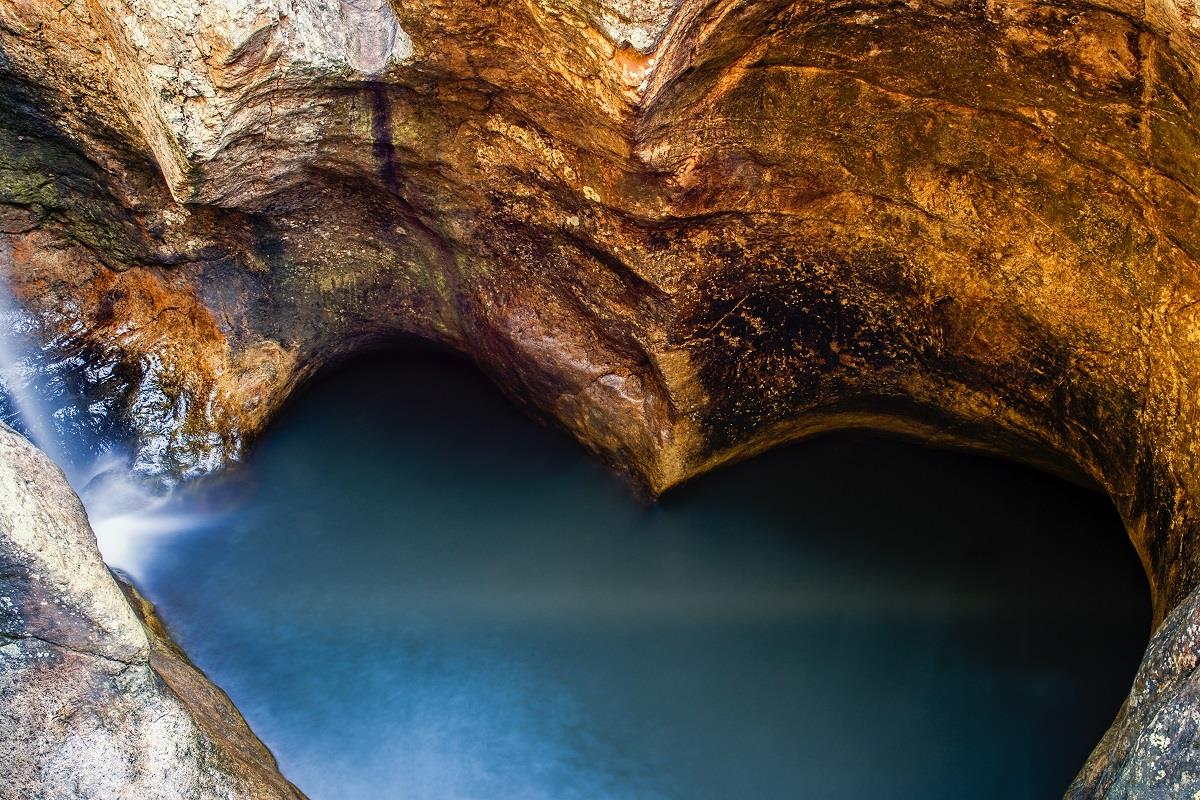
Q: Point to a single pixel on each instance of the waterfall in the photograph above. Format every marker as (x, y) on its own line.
(19, 375)
(32, 417)
(124, 512)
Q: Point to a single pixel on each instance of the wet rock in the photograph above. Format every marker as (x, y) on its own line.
(93, 703)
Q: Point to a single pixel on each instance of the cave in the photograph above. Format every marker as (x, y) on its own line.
(690, 235)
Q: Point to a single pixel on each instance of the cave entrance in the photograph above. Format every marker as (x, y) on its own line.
(420, 593)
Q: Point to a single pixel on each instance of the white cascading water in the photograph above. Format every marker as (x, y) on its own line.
(125, 513)
(15, 375)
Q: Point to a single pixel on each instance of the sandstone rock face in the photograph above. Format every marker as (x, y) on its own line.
(686, 231)
(91, 706)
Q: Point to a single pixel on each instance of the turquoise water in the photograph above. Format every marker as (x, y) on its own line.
(412, 591)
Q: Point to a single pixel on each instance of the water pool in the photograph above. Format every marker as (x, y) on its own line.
(413, 591)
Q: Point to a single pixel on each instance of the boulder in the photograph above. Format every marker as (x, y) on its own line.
(94, 702)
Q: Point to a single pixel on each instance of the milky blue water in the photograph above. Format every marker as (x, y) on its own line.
(413, 591)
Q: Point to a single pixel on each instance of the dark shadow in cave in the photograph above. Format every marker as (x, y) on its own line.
(423, 594)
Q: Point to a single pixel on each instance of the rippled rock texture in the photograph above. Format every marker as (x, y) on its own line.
(686, 232)
(95, 701)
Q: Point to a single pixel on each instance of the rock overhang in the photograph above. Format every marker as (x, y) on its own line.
(686, 233)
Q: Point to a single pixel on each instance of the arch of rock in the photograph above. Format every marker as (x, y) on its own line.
(686, 232)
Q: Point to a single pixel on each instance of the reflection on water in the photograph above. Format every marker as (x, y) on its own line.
(414, 592)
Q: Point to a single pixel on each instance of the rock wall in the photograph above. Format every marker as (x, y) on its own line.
(686, 232)
(93, 703)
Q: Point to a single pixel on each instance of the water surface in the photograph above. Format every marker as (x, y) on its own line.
(412, 591)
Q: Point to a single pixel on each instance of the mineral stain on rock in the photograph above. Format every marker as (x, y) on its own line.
(381, 130)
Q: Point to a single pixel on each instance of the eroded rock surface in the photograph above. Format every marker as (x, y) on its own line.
(91, 704)
(1150, 753)
(686, 231)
